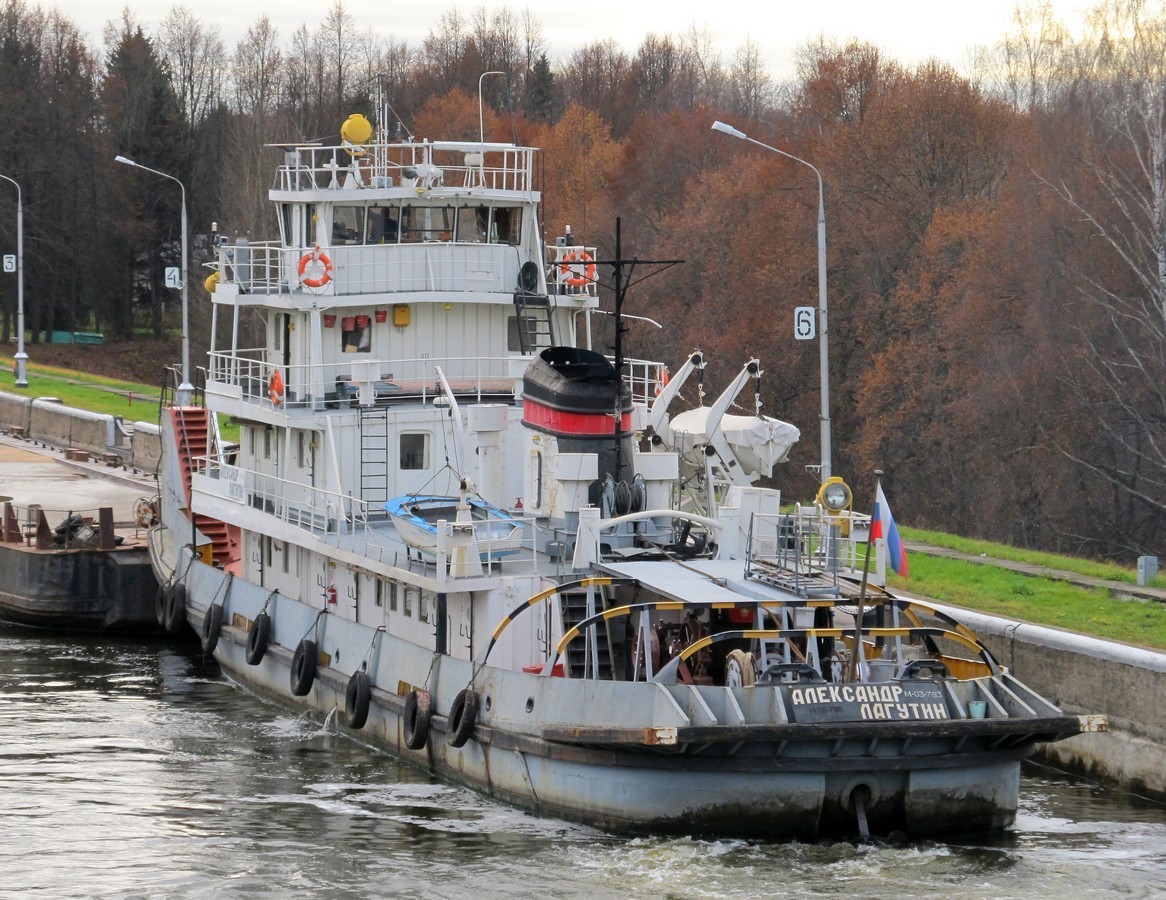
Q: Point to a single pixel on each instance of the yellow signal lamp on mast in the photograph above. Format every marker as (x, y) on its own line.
(836, 497)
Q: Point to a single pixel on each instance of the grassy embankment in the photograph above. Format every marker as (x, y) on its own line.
(132, 401)
(982, 587)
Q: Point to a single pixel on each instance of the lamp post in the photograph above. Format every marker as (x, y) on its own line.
(186, 389)
(21, 356)
(823, 347)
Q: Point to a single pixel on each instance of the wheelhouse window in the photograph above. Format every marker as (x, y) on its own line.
(426, 223)
(414, 451)
(505, 225)
(382, 225)
(347, 225)
(473, 224)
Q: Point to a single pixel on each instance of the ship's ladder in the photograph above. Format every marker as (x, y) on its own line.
(535, 327)
(195, 439)
(592, 656)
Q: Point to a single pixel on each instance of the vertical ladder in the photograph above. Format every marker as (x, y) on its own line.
(535, 330)
(597, 645)
(374, 456)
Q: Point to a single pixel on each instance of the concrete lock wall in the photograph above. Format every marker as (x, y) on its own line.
(67, 427)
(14, 410)
(1085, 675)
(146, 445)
(64, 426)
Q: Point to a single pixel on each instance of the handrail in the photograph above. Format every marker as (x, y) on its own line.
(961, 635)
(545, 595)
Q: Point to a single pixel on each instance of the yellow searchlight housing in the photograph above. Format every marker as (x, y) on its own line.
(836, 498)
(835, 495)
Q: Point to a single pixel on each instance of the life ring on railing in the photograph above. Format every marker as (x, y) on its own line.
(275, 387)
(323, 265)
(661, 380)
(587, 276)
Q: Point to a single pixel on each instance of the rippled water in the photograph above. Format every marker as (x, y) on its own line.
(132, 769)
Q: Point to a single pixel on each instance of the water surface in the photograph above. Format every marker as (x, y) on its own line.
(130, 768)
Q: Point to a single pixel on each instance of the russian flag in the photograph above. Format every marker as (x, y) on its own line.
(882, 525)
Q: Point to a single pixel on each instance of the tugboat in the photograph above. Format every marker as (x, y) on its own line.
(664, 646)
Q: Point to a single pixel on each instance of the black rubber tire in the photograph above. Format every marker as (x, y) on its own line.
(176, 609)
(462, 717)
(357, 697)
(160, 600)
(303, 667)
(415, 721)
(212, 627)
(258, 637)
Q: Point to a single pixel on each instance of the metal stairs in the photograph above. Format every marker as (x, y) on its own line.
(192, 434)
(577, 606)
(535, 329)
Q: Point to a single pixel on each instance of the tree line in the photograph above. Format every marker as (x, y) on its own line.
(996, 240)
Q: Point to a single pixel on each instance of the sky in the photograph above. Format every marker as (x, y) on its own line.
(909, 31)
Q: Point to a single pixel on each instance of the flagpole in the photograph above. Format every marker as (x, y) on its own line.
(852, 675)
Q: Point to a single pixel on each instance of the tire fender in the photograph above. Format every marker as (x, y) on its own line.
(415, 720)
(463, 715)
(258, 637)
(303, 667)
(176, 609)
(357, 697)
(212, 626)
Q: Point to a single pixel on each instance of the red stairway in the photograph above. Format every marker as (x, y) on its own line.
(192, 435)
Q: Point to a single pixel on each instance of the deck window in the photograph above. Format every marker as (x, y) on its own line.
(382, 225)
(347, 225)
(473, 224)
(414, 451)
(505, 225)
(426, 223)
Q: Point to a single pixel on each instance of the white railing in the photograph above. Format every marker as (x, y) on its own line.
(645, 379)
(301, 505)
(337, 384)
(808, 541)
(425, 165)
(270, 267)
(572, 270)
(357, 525)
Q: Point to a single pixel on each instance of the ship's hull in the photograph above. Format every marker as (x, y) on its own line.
(539, 742)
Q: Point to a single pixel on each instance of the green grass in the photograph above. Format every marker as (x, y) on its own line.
(1092, 568)
(137, 402)
(1042, 601)
(108, 396)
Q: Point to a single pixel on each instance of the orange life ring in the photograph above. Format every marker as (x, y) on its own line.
(588, 274)
(275, 387)
(661, 380)
(324, 264)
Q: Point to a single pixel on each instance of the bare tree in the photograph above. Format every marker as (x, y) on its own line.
(1117, 192)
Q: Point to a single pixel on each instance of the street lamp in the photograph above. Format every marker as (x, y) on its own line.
(822, 330)
(21, 356)
(186, 389)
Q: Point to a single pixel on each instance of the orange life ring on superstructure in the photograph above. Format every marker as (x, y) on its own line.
(323, 263)
(588, 274)
(275, 387)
